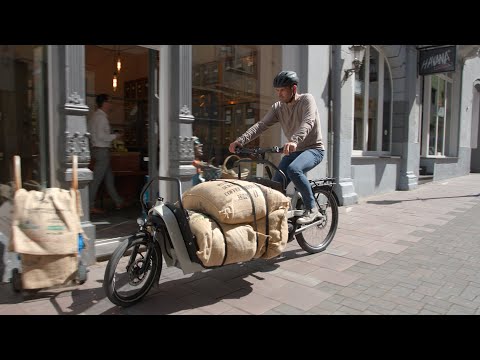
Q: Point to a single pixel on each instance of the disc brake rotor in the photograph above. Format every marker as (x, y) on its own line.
(136, 274)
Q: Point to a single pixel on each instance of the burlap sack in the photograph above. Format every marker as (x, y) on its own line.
(45, 222)
(229, 203)
(6, 215)
(278, 234)
(210, 239)
(45, 271)
(240, 240)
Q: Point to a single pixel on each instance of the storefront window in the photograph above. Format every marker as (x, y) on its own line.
(232, 90)
(438, 90)
(373, 105)
(23, 113)
(359, 108)
(129, 114)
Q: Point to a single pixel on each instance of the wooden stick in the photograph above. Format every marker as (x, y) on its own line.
(75, 181)
(18, 172)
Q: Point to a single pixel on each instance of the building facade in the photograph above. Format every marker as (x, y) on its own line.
(385, 126)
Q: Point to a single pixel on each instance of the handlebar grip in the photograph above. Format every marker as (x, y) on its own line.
(244, 151)
(248, 151)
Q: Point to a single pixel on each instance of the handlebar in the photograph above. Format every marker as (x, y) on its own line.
(161, 178)
(258, 155)
(258, 150)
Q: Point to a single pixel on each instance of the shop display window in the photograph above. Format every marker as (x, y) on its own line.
(227, 88)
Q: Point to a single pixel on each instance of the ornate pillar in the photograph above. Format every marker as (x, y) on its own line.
(76, 136)
(181, 140)
(342, 128)
(411, 143)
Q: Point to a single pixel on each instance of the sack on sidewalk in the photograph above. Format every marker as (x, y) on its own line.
(46, 222)
(48, 270)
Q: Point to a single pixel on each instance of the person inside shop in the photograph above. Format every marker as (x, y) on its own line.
(198, 162)
(101, 139)
(205, 170)
(300, 121)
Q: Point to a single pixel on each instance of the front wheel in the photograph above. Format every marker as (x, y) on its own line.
(316, 237)
(132, 270)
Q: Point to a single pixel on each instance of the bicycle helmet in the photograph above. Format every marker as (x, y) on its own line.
(285, 78)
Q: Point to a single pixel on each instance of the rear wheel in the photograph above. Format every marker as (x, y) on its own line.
(132, 270)
(317, 236)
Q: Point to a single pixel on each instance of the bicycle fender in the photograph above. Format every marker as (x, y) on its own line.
(180, 250)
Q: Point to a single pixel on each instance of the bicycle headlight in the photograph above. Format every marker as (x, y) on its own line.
(140, 221)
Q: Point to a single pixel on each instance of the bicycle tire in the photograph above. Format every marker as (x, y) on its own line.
(123, 256)
(324, 232)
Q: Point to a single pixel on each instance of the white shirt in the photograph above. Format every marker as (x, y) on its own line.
(99, 129)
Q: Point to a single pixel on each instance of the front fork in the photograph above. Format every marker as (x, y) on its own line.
(135, 252)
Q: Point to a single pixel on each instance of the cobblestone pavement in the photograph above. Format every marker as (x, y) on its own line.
(412, 252)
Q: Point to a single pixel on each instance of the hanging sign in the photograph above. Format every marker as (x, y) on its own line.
(437, 60)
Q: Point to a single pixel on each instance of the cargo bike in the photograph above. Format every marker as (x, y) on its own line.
(136, 264)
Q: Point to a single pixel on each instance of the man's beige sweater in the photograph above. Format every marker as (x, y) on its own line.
(300, 122)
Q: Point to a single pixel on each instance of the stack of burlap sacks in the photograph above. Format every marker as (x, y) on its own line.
(45, 230)
(222, 220)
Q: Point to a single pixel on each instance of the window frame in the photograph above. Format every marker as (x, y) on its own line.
(382, 60)
(30, 67)
(426, 112)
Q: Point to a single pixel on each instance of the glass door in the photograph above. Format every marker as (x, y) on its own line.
(153, 119)
(23, 113)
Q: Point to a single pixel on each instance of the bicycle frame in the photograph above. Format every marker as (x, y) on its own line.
(259, 155)
(163, 217)
(269, 182)
(165, 236)
(168, 223)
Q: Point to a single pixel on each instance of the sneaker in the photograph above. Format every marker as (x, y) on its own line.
(309, 216)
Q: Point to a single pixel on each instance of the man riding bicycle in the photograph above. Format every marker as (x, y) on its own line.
(300, 122)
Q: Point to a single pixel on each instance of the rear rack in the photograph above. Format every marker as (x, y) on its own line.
(328, 181)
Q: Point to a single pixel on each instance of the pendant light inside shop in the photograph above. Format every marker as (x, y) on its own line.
(118, 64)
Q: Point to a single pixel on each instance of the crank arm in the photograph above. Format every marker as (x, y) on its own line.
(305, 227)
(293, 213)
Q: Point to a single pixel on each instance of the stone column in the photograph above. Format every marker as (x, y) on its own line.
(342, 125)
(411, 106)
(181, 140)
(76, 137)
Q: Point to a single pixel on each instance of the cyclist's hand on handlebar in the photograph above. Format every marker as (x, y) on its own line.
(289, 147)
(232, 147)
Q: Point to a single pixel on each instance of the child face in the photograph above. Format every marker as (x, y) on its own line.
(198, 150)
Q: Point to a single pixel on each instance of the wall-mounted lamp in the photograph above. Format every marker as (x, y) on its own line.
(476, 84)
(358, 52)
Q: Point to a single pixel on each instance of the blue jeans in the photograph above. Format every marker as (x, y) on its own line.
(295, 166)
(196, 179)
